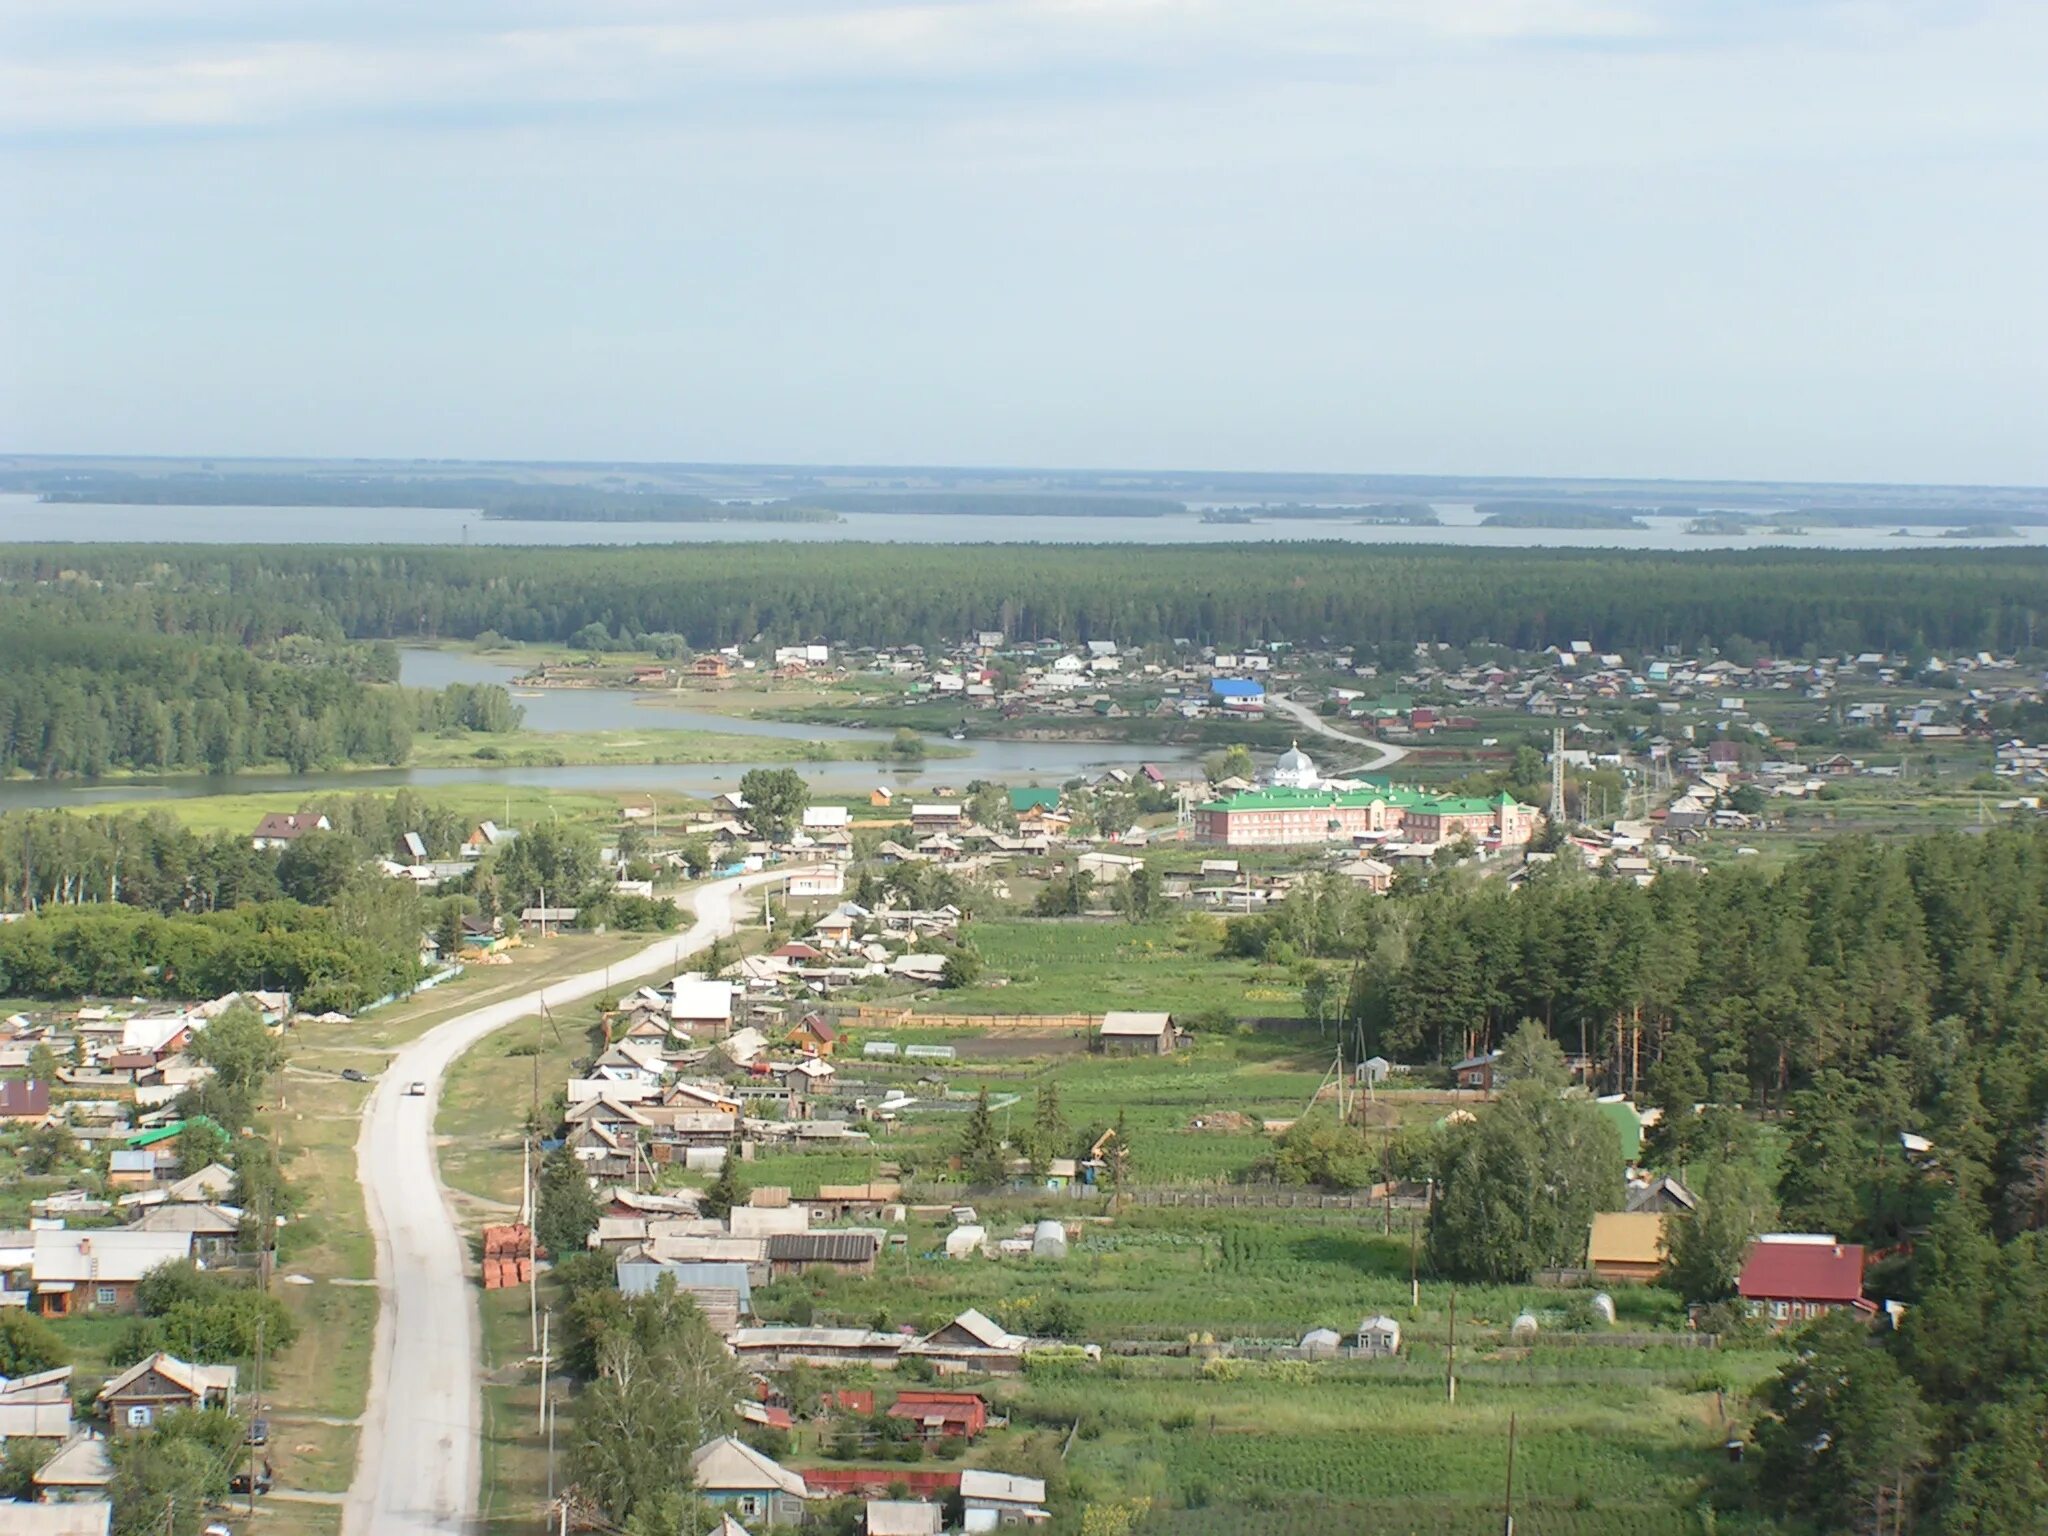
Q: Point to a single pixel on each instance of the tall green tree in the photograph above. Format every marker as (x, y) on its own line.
(725, 1190)
(776, 799)
(981, 1145)
(1050, 1134)
(665, 1385)
(1518, 1186)
(1705, 1248)
(567, 1211)
(1844, 1432)
(240, 1048)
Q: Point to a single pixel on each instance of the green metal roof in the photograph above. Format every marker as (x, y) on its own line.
(1405, 798)
(165, 1132)
(1022, 800)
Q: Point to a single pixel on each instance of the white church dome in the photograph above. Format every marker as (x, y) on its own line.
(1296, 770)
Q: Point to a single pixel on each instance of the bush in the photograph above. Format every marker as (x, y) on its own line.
(27, 1344)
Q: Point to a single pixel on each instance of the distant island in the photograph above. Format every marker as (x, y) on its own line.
(1980, 531)
(1721, 525)
(652, 509)
(1555, 514)
(1381, 514)
(994, 504)
(1912, 517)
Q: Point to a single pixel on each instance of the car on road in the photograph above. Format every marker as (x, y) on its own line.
(259, 1432)
(415, 1090)
(239, 1483)
(351, 1075)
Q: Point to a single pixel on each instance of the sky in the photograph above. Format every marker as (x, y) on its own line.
(1767, 239)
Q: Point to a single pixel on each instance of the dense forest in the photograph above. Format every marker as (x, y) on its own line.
(1885, 1006)
(96, 696)
(1791, 601)
(142, 906)
(139, 905)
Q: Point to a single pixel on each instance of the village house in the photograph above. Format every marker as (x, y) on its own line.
(846, 1253)
(1477, 1073)
(812, 1077)
(973, 1341)
(280, 829)
(853, 1202)
(903, 1517)
(76, 1477)
(936, 816)
(834, 931)
(24, 1104)
(76, 1272)
(723, 1292)
(1379, 1337)
(780, 1346)
(1664, 1194)
(141, 1395)
(215, 1230)
(1626, 1246)
(732, 1474)
(815, 1034)
(1135, 1034)
(36, 1406)
(942, 1415)
(1791, 1278)
(817, 884)
(1003, 1497)
(483, 837)
(701, 1009)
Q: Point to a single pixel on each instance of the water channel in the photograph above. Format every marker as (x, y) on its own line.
(619, 709)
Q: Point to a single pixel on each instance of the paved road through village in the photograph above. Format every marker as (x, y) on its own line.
(420, 1459)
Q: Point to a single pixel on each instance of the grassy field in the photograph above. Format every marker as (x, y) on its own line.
(492, 1090)
(549, 749)
(1032, 966)
(513, 805)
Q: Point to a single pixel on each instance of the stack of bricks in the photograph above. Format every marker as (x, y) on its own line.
(508, 1256)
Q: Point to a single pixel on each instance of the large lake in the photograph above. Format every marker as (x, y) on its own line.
(618, 709)
(24, 519)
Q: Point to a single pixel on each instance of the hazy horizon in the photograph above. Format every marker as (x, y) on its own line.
(1577, 239)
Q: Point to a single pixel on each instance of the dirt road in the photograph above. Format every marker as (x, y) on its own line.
(1384, 753)
(419, 1463)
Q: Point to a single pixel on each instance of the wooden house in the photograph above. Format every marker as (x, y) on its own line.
(1626, 1246)
(141, 1395)
(1136, 1034)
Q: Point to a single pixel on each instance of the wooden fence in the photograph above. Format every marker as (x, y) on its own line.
(1050, 1022)
(1268, 1200)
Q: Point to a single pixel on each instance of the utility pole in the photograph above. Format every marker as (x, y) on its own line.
(1451, 1357)
(532, 1268)
(1557, 775)
(1508, 1505)
(257, 1410)
(544, 1322)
